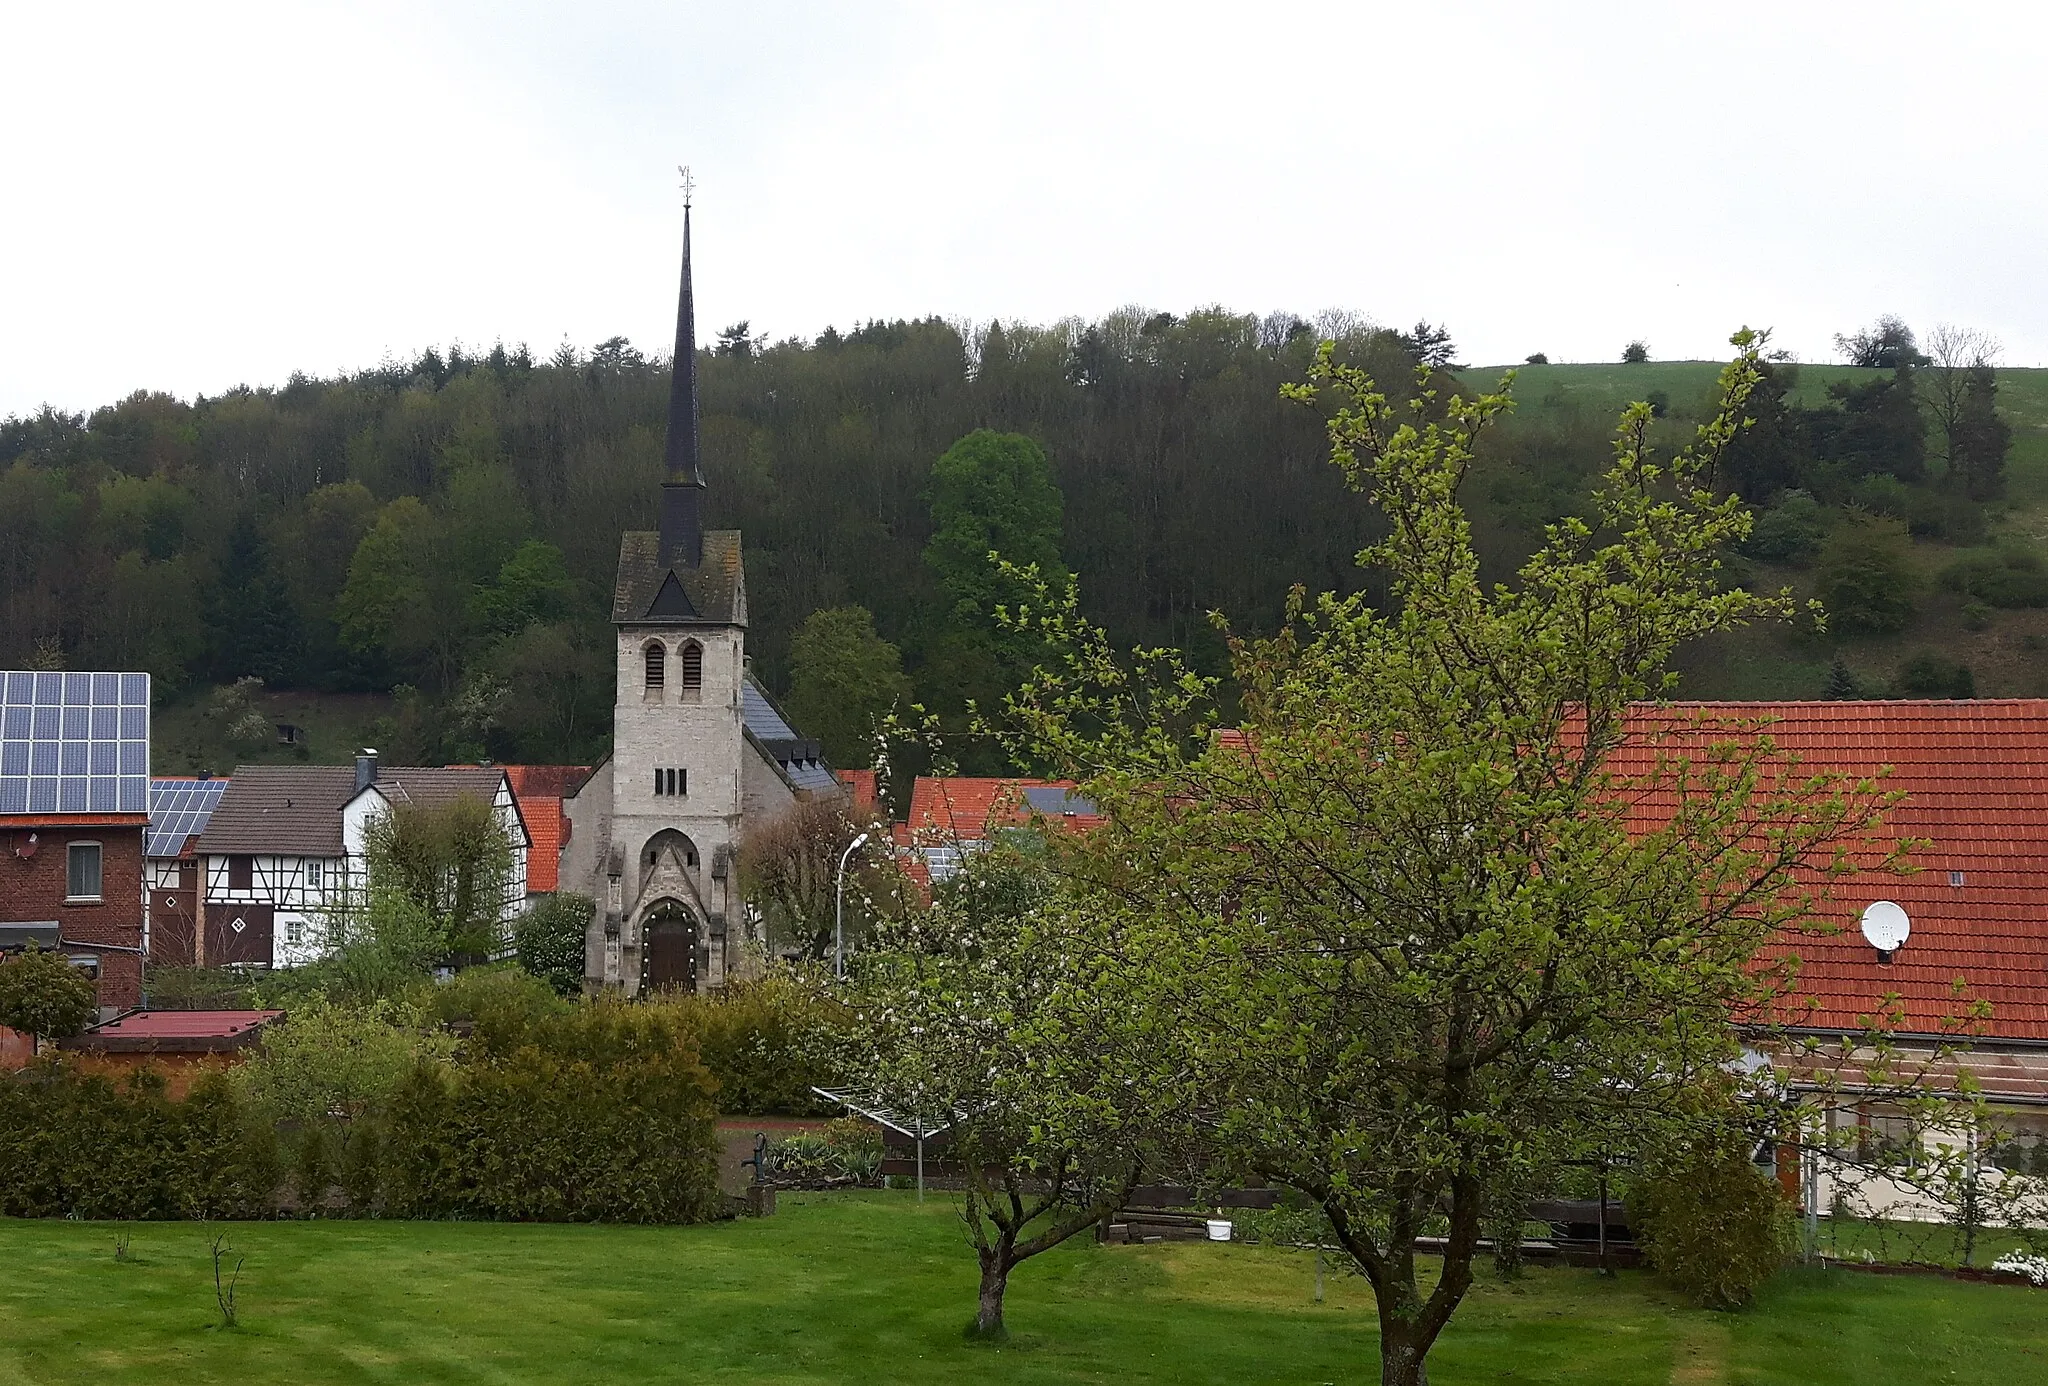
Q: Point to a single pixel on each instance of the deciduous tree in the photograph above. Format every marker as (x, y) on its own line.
(1450, 903)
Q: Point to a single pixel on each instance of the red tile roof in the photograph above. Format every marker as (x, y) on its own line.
(539, 790)
(944, 808)
(1975, 780)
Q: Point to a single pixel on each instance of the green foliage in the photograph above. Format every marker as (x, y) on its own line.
(991, 493)
(1980, 439)
(198, 988)
(42, 994)
(1928, 675)
(549, 940)
(1841, 684)
(326, 1062)
(844, 678)
(496, 1004)
(601, 1113)
(768, 1041)
(1536, 358)
(2004, 578)
(1791, 531)
(1712, 1223)
(312, 1166)
(78, 1144)
(1885, 345)
(1635, 353)
(378, 949)
(453, 862)
(1866, 579)
(847, 1151)
(1397, 940)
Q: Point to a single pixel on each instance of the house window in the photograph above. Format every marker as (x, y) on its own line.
(82, 871)
(693, 671)
(241, 873)
(315, 877)
(294, 930)
(671, 782)
(657, 667)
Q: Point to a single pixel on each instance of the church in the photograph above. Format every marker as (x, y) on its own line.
(699, 750)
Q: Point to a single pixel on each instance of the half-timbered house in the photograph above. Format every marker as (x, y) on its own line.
(285, 850)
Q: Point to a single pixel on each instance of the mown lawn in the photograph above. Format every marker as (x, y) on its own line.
(874, 1288)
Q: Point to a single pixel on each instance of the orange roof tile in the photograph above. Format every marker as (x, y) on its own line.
(1975, 780)
(539, 790)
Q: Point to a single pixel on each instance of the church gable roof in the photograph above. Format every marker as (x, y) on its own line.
(711, 593)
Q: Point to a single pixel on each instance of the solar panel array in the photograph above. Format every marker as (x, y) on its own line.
(1053, 799)
(179, 809)
(74, 743)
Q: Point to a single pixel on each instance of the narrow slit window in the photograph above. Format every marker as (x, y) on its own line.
(693, 672)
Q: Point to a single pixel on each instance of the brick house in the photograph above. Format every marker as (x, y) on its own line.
(74, 808)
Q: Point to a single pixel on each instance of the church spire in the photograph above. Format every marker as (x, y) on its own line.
(682, 486)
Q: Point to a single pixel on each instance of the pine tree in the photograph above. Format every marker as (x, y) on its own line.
(1982, 439)
(1841, 683)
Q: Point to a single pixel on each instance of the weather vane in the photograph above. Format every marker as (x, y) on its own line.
(689, 183)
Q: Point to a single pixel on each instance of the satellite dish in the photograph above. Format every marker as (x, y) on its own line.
(1885, 927)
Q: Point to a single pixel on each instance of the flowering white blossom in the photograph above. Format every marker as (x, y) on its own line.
(2034, 1268)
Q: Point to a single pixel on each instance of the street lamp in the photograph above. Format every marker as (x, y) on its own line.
(839, 910)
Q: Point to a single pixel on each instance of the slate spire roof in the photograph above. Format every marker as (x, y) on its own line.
(680, 573)
(682, 487)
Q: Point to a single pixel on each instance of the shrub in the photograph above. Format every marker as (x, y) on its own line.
(1712, 1223)
(198, 988)
(1536, 358)
(42, 994)
(1790, 531)
(846, 1151)
(549, 940)
(2008, 578)
(1928, 675)
(499, 1003)
(1865, 579)
(1635, 353)
(1882, 495)
(602, 1113)
(77, 1144)
(768, 1042)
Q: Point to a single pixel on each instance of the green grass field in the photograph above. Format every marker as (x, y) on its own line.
(874, 1288)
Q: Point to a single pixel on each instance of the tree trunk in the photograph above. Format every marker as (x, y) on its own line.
(1403, 1361)
(988, 1317)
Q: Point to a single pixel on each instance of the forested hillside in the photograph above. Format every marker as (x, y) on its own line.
(447, 527)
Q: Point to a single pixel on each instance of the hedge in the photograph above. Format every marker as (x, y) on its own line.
(78, 1144)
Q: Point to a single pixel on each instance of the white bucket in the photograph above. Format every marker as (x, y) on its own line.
(1219, 1230)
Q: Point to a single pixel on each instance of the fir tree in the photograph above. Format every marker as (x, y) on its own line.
(1841, 683)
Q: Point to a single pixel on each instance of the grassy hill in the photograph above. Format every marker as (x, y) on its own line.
(2009, 655)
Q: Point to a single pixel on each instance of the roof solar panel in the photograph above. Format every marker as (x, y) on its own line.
(178, 810)
(74, 742)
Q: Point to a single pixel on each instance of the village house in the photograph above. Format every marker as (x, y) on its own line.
(74, 808)
(952, 817)
(284, 849)
(540, 790)
(179, 810)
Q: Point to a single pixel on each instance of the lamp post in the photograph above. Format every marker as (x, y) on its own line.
(839, 910)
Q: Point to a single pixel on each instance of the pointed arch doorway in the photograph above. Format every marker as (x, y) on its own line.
(668, 952)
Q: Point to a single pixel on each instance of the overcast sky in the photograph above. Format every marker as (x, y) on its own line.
(206, 194)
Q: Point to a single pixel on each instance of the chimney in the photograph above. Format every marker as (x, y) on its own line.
(366, 768)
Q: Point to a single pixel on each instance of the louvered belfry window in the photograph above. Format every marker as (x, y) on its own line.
(693, 671)
(657, 666)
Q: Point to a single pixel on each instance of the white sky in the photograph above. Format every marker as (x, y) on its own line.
(193, 196)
